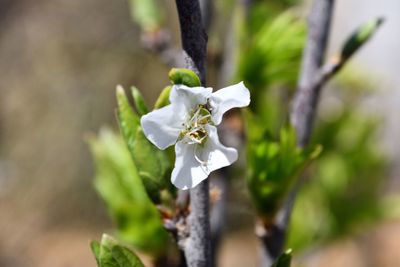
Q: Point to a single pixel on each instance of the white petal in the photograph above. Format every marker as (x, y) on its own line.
(235, 96)
(191, 97)
(216, 154)
(163, 126)
(187, 172)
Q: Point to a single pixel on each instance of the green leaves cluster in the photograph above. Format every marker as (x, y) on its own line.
(269, 64)
(273, 166)
(120, 186)
(109, 253)
(273, 55)
(343, 195)
(152, 164)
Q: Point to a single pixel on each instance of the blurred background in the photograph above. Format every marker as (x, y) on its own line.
(60, 63)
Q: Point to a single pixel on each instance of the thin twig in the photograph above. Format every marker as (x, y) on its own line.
(302, 115)
(314, 76)
(306, 98)
(194, 42)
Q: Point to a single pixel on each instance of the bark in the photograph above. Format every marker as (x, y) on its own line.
(306, 98)
(196, 246)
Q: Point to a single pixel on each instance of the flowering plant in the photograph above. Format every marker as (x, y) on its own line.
(189, 124)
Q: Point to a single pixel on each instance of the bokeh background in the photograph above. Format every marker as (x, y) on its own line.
(60, 61)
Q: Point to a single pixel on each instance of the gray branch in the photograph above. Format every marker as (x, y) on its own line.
(302, 116)
(193, 36)
(194, 42)
(306, 98)
(314, 75)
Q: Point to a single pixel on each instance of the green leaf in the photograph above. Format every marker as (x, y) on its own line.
(184, 76)
(152, 164)
(119, 184)
(128, 120)
(272, 56)
(141, 106)
(125, 258)
(284, 260)
(360, 36)
(95, 247)
(163, 99)
(274, 165)
(110, 254)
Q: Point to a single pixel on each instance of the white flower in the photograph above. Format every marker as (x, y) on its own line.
(189, 123)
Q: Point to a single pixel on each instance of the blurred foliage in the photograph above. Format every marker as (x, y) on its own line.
(269, 62)
(109, 253)
(146, 13)
(119, 184)
(344, 188)
(344, 191)
(273, 166)
(273, 55)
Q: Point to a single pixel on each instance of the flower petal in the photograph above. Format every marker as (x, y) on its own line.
(187, 172)
(191, 97)
(216, 154)
(163, 126)
(235, 96)
(194, 163)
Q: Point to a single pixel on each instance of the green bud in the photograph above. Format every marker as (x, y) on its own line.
(140, 105)
(360, 36)
(184, 76)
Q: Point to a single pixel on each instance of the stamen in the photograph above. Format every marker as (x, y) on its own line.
(195, 131)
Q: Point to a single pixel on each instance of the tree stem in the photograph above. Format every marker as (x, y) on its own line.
(194, 42)
(306, 98)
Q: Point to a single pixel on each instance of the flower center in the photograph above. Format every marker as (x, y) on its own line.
(195, 131)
